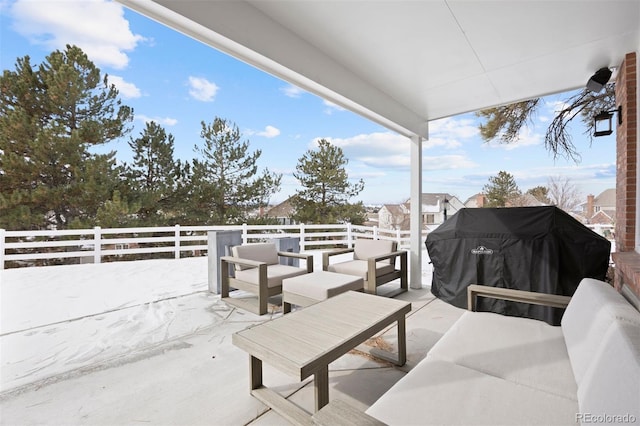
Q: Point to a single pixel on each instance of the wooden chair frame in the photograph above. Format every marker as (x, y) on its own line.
(371, 285)
(262, 290)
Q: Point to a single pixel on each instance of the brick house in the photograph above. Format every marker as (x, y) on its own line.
(601, 209)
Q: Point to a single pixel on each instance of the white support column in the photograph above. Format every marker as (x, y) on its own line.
(415, 214)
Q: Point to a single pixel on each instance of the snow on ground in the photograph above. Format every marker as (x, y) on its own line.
(32, 297)
(58, 319)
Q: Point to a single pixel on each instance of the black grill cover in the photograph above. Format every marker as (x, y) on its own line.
(540, 249)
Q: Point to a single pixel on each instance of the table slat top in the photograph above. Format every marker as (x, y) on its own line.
(305, 339)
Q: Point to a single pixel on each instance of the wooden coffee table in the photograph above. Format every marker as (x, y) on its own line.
(306, 341)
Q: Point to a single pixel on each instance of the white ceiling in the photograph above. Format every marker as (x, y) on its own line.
(403, 63)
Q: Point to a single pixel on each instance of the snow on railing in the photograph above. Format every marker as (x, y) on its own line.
(32, 248)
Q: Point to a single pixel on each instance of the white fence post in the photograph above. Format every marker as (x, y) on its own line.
(302, 237)
(177, 242)
(97, 245)
(2, 236)
(375, 232)
(245, 234)
(398, 239)
(349, 235)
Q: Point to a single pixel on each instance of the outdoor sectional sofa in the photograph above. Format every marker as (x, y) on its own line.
(490, 369)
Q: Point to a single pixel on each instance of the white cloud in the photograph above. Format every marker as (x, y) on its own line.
(98, 27)
(269, 132)
(453, 127)
(292, 91)
(379, 149)
(383, 143)
(202, 89)
(526, 138)
(165, 121)
(447, 162)
(331, 107)
(126, 89)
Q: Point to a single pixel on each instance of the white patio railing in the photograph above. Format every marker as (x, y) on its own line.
(98, 245)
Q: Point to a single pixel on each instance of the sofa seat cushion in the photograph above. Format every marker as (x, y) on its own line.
(275, 274)
(321, 285)
(360, 268)
(594, 306)
(524, 351)
(438, 392)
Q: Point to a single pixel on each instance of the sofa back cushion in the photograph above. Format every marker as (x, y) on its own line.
(611, 384)
(364, 249)
(593, 308)
(260, 252)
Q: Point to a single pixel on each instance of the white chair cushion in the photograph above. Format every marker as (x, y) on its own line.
(261, 252)
(594, 306)
(437, 392)
(364, 249)
(321, 285)
(524, 351)
(611, 384)
(360, 268)
(275, 274)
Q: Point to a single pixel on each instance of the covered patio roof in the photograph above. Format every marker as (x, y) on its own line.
(404, 63)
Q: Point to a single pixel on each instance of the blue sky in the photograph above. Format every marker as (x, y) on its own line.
(179, 82)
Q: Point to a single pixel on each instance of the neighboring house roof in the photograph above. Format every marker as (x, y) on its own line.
(396, 209)
(284, 209)
(399, 214)
(434, 198)
(527, 200)
(606, 198)
(472, 201)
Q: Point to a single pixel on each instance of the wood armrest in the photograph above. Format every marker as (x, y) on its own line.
(534, 298)
(339, 413)
(242, 262)
(307, 257)
(327, 254)
(400, 253)
(292, 254)
(338, 251)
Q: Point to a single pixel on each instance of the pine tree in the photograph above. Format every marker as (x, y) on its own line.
(225, 183)
(500, 190)
(327, 190)
(117, 213)
(49, 118)
(541, 193)
(154, 175)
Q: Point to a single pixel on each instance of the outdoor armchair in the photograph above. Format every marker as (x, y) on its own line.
(257, 270)
(374, 261)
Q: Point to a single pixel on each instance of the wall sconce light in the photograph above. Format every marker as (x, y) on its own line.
(602, 122)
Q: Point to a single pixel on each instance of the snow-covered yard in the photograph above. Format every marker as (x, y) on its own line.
(60, 318)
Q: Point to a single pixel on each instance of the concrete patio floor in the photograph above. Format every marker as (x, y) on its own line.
(201, 378)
